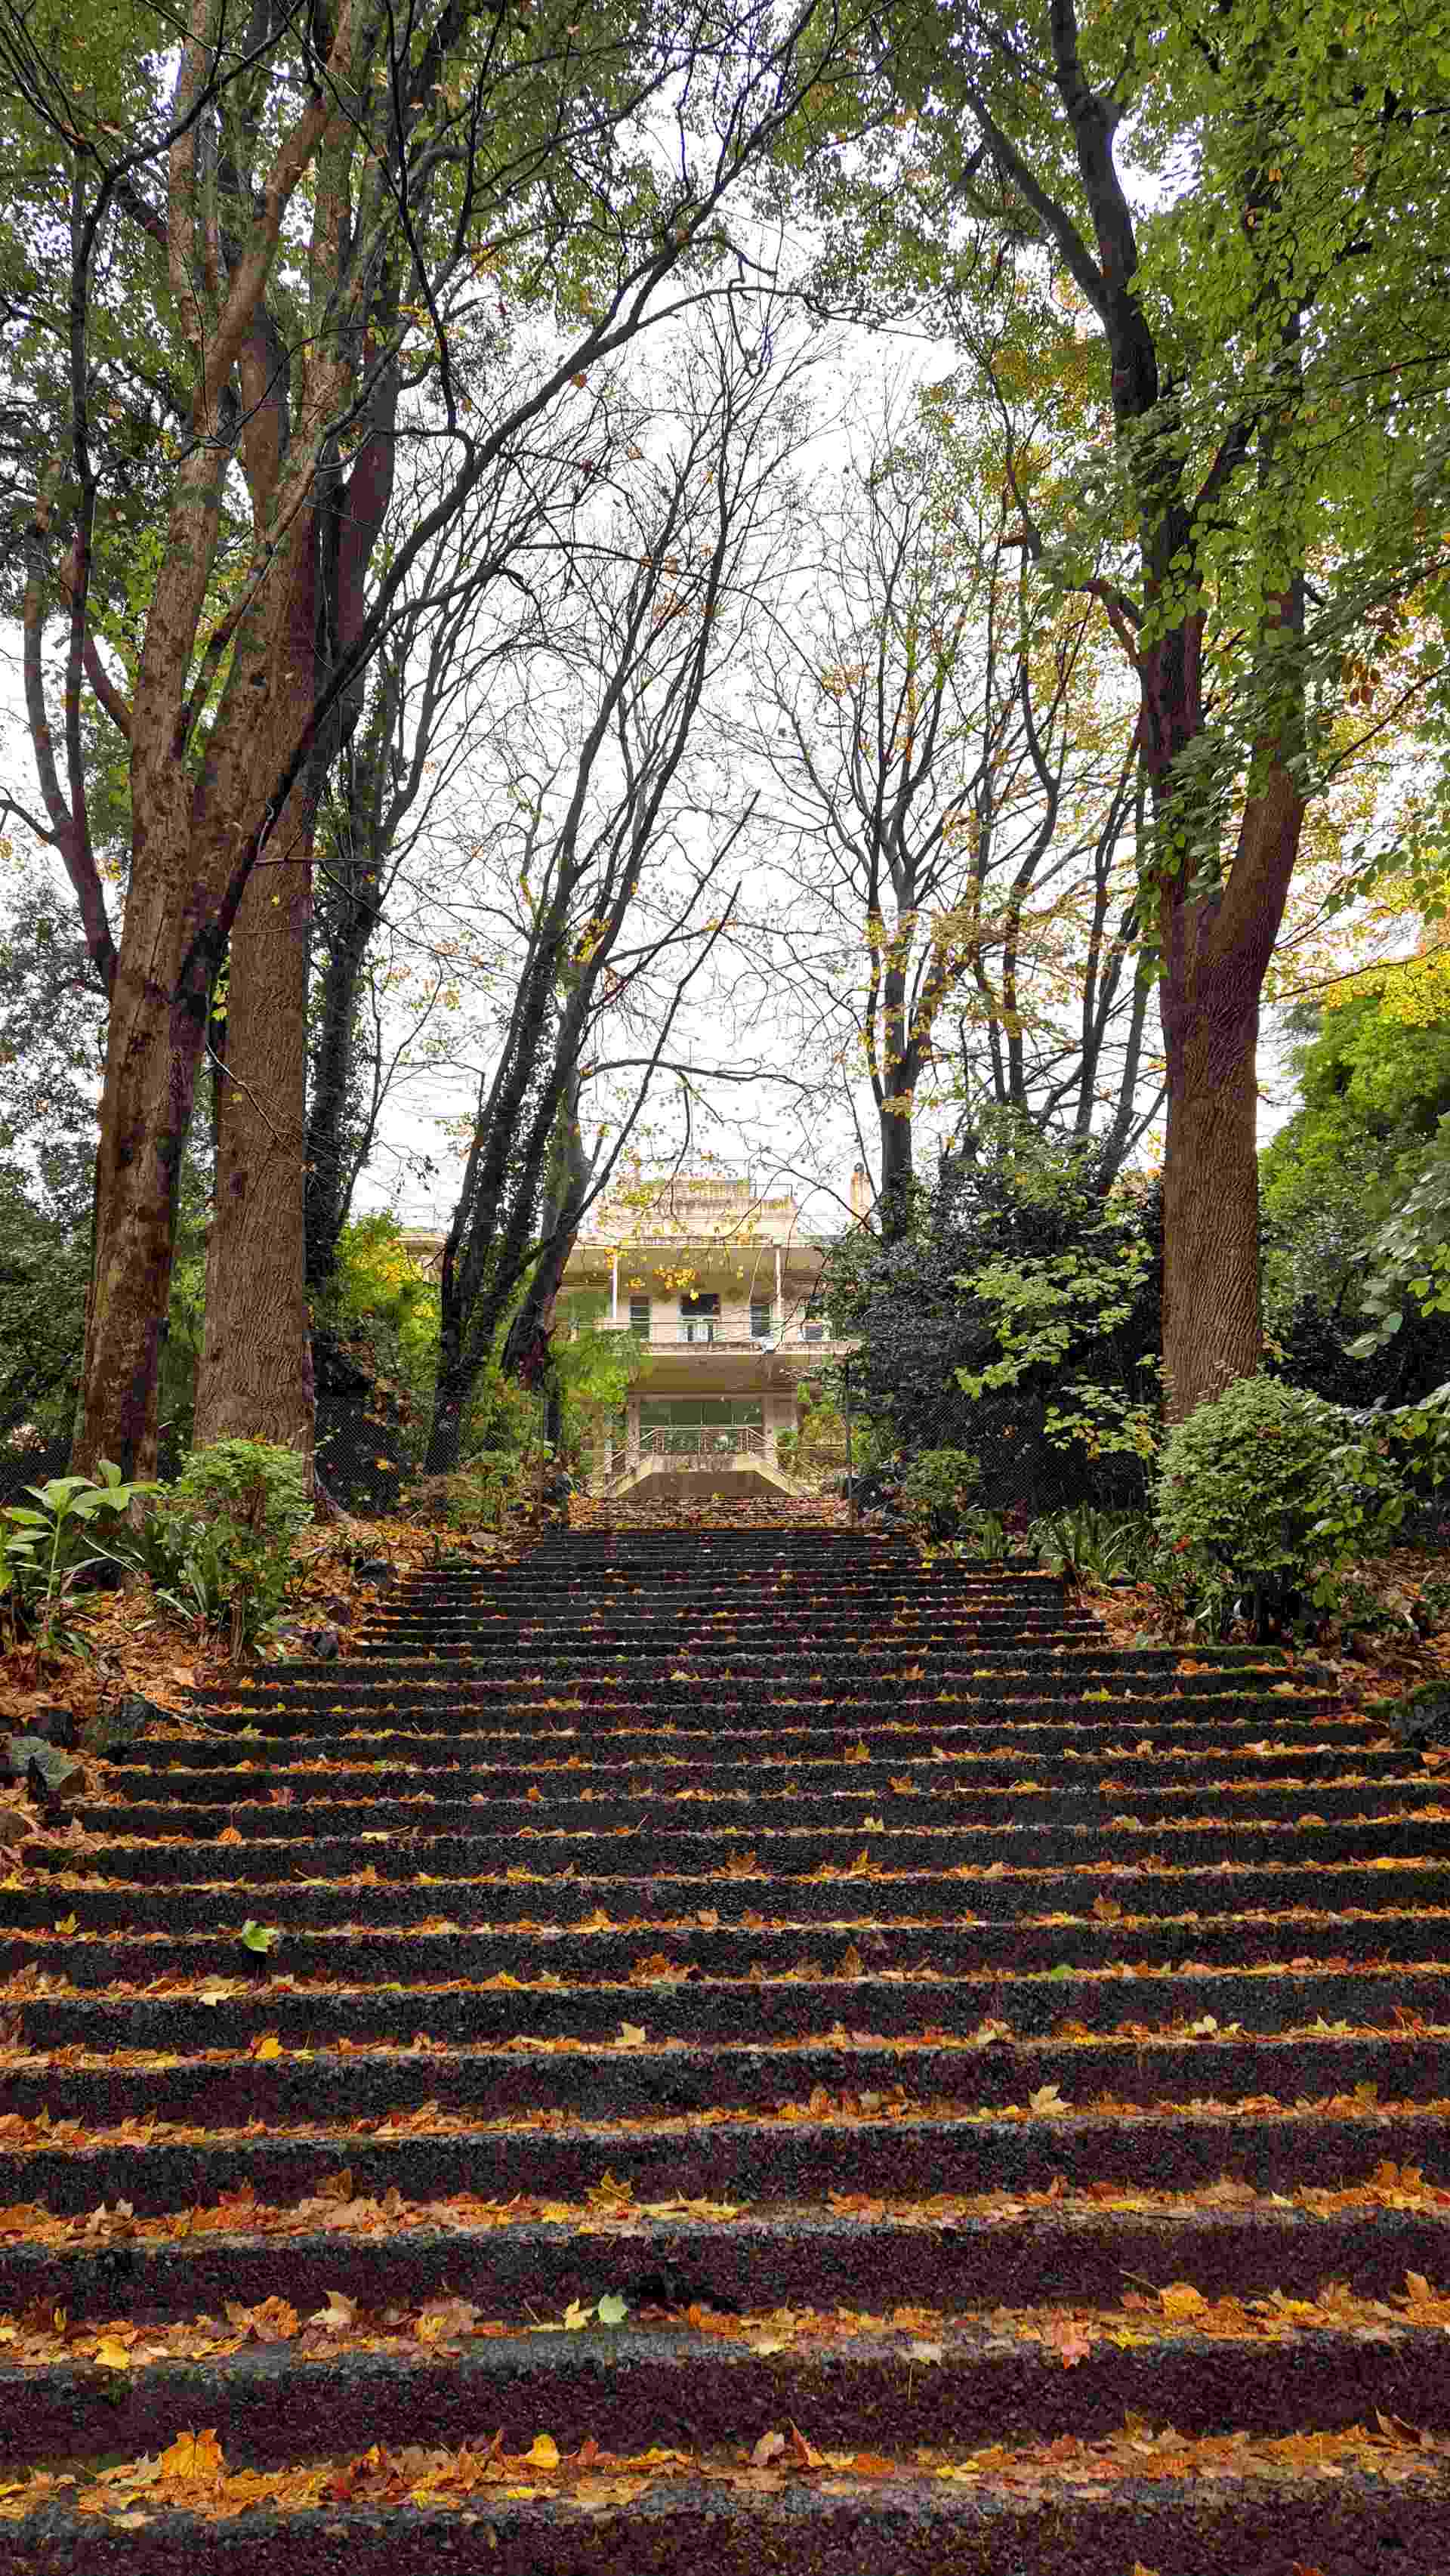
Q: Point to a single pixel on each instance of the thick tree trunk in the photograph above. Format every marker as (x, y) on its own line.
(1211, 1329)
(255, 1380)
(154, 1046)
(1215, 954)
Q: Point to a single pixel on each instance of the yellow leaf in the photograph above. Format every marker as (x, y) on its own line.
(269, 2047)
(66, 1923)
(1181, 2300)
(543, 2452)
(112, 2355)
(1046, 2098)
(194, 2456)
(630, 2035)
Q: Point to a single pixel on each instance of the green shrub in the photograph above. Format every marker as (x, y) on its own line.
(219, 1544)
(941, 1486)
(478, 1495)
(1246, 1484)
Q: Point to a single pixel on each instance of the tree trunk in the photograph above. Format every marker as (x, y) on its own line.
(328, 1179)
(450, 1400)
(1215, 954)
(255, 1381)
(153, 1049)
(1211, 1330)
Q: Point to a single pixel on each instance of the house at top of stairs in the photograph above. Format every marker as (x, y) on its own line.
(721, 1284)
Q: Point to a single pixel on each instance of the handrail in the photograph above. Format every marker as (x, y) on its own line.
(699, 1439)
(710, 1333)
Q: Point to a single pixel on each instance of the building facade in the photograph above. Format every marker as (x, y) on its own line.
(721, 1287)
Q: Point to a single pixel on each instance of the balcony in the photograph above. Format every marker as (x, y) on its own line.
(722, 1333)
(702, 1443)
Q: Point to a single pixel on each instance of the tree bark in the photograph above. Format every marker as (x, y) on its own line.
(1211, 1327)
(154, 1046)
(330, 1162)
(1215, 954)
(255, 1380)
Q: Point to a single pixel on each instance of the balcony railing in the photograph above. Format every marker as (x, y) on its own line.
(711, 1332)
(702, 1440)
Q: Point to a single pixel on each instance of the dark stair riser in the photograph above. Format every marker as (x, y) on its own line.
(1002, 1947)
(1036, 1726)
(1030, 2010)
(607, 2082)
(735, 2159)
(787, 1855)
(212, 1800)
(800, 1834)
(1354, 2527)
(164, 1765)
(627, 2393)
(796, 2260)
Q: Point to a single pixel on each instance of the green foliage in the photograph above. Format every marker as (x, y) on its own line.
(1334, 1185)
(1091, 1548)
(379, 1294)
(219, 1544)
(44, 1270)
(47, 1544)
(940, 1486)
(1248, 1482)
(1019, 1309)
(1388, 1463)
(481, 1494)
(1410, 1254)
(594, 1372)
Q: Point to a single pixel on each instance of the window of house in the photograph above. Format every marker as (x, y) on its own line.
(815, 1325)
(700, 1315)
(639, 1318)
(760, 1317)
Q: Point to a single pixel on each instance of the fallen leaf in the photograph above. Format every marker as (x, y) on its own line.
(194, 2457)
(543, 2452)
(1181, 2300)
(338, 2315)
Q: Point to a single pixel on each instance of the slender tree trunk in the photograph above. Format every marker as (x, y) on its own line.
(451, 1392)
(894, 1110)
(326, 1190)
(255, 1380)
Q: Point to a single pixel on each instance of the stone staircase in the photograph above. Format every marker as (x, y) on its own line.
(772, 2056)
